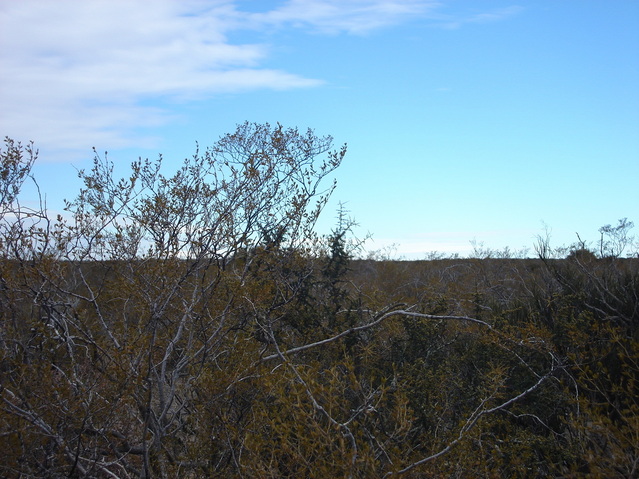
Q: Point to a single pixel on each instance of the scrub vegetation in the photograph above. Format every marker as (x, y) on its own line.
(194, 325)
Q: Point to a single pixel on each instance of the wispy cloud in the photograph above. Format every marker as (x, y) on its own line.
(460, 20)
(76, 73)
(350, 16)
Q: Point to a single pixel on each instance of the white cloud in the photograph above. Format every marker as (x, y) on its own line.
(74, 73)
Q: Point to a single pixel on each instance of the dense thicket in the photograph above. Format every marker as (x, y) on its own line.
(195, 326)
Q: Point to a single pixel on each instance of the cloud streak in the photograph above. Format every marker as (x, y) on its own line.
(349, 16)
(497, 15)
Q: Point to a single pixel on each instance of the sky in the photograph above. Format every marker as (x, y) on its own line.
(469, 123)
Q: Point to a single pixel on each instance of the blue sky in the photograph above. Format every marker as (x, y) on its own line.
(465, 119)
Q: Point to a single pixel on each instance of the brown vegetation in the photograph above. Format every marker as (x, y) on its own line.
(195, 326)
